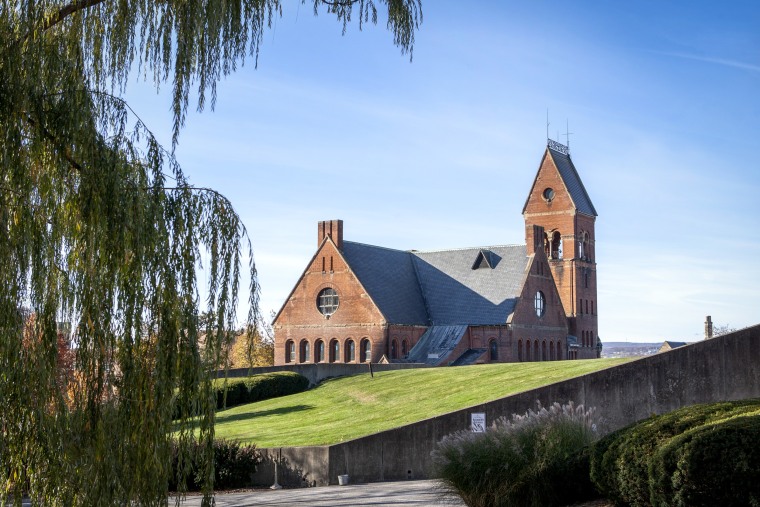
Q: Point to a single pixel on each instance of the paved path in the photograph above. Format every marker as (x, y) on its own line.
(384, 494)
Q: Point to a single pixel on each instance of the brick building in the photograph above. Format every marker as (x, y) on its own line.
(533, 302)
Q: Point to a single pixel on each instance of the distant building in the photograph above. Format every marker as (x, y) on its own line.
(668, 345)
(533, 302)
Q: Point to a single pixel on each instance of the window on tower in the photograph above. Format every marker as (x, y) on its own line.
(585, 253)
(556, 245)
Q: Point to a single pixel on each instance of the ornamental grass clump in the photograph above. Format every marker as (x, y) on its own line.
(539, 458)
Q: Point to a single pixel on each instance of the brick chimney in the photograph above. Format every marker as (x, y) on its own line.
(708, 328)
(534, 238)
(332, 229)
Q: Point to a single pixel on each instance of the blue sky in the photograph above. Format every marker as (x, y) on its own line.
(662, 98)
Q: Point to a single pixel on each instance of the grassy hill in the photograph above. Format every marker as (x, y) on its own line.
(349, 407)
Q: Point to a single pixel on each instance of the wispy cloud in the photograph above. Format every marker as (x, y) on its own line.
(716, 61)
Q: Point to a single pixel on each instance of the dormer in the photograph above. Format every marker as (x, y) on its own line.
(485, 259)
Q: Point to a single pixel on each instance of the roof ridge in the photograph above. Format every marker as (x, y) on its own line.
(513, 245)
(377, 246)
(461, 249)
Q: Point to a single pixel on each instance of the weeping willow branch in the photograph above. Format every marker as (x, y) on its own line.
(103, 355)
(66, 11)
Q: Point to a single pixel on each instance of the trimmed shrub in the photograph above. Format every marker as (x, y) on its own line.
(654, 462)
(233, 466)
(258, 387)
(536, 459)
(716, 464)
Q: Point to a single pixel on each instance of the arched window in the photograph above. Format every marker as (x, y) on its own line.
(547, 247)
(290, 351)
(536, 356)
(591, 339)
(334, 351)
(319, 351)
(556, 245)
(586, 246)
(527, 350)
(365, 351)
(304, 351)
(551, 351)
(394, 349)
(404, 348)
(350, 351)
(493, 349)
(519, 350)
(543, 350)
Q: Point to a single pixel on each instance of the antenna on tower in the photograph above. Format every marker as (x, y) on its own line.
(547, 124)
(568, 134)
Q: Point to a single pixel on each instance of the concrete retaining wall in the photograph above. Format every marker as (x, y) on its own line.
(723, 368)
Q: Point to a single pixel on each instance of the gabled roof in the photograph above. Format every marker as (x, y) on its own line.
(441, 287)
(572, 182)
(389, 278)
(570, 179)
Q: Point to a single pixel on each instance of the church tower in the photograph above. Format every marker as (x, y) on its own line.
(559, 203)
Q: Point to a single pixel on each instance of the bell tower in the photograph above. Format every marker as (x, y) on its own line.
(559, 203)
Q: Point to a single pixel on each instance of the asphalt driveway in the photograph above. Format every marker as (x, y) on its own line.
(384, 494)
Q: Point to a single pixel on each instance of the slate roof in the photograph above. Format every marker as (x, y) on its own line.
(457, 294)
(389, 278)
(573, 182)
(440, 288)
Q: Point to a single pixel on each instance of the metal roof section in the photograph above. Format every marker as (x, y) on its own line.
(389, 278)
(456, 294)
(470, 356)
(571, 178)
(436, 344)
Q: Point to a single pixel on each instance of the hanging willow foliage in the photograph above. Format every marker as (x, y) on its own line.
(101, 237)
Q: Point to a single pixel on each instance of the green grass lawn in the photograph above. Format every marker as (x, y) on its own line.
(349, 407)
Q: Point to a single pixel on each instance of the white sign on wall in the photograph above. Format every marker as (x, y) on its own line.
(478, 422)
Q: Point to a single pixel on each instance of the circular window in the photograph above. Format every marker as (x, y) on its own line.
(549, 194)
(539, 303)
(327, 301)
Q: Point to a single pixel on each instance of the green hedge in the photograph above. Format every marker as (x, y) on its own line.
(233, 466)
(258, 387)
(699, 455)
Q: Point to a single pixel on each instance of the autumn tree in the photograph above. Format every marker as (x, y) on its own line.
(258, 350)
(100, 228)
